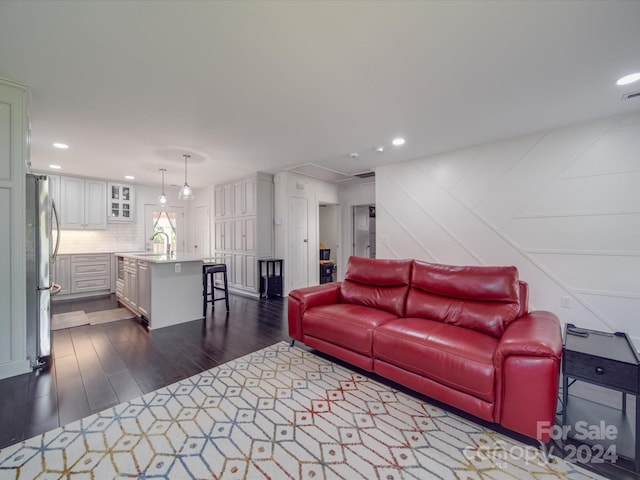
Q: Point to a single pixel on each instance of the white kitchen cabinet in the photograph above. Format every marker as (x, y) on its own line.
(143, 288)
(83, 203)
(121, 203)
(13, 153)
(237, 267)
(62, 273)
(238, 198)
(218, 202)
(244, 228)
(130, 284)
(227, 200)
(90, 273)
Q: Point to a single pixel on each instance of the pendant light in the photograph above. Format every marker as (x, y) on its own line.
(185, 192)
(162, 202)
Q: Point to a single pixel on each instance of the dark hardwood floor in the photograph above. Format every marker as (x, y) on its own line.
(99, 366)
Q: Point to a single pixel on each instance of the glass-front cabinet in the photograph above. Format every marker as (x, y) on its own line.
(121, 197)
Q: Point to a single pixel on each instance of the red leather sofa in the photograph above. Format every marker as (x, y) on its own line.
(460, 334)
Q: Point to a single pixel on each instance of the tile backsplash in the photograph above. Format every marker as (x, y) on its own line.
(118, 237)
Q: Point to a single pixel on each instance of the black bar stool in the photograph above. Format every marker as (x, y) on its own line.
(208, 278)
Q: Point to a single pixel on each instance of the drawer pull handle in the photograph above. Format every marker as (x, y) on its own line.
(599, 370)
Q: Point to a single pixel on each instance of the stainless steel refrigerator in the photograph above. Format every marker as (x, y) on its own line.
(41, 253)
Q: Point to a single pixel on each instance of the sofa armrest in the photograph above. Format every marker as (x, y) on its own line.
(534, 334)
(302, 299)
(527, 362)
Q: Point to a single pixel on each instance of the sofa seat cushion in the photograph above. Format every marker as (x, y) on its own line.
(448, 354)
(350, 326)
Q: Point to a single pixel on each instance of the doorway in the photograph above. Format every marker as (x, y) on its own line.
(364, 231)
(328, 239)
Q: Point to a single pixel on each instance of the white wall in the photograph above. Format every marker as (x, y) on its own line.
(563, 206)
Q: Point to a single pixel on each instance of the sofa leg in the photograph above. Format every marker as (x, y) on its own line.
(293, 340)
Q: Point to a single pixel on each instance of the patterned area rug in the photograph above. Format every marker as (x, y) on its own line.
(278, 413)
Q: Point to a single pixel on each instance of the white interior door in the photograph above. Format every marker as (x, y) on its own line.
(298, 270)
(361, 231)
(202, 246)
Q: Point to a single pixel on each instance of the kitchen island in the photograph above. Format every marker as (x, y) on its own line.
(161, 289)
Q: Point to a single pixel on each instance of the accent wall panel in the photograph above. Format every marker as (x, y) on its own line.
(563, 206)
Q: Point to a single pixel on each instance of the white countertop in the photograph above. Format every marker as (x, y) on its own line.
(177, 257)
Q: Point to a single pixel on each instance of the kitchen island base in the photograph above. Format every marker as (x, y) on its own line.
(162, 290)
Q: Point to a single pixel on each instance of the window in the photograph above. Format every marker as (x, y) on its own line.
(168, 223)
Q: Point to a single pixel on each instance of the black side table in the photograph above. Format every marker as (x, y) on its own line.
(270, 277)
(605, 359)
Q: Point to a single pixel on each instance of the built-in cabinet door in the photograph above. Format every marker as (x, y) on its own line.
(237, 268)
(249, 226)
(62, 273)
(250, 273)
(227, 235)
(241, 233)
(238, 198)
(249, 197)
(95, 207)
(83, 203)
(219, 236)
(218, 201)
(227, 259)
(130, 287)
(238, 234)
(15, 334)
(71, 202)
(143, 287)
(120, 206)
(227, 193)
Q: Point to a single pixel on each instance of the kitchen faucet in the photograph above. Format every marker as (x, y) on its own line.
(166, 237)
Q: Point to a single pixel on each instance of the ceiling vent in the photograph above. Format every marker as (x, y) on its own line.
(319, 172)
(367, 174)
(630, 95)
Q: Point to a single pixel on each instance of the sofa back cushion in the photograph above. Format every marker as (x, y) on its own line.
(377, 283)
(481, 298)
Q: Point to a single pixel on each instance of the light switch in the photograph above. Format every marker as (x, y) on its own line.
(178, 268)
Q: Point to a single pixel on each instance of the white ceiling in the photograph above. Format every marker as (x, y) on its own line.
(248, 86)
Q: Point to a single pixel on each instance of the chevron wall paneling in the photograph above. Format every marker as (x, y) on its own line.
(563, 206)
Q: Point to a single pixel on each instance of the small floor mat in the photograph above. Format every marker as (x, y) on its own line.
(61, 321)
(106, 316)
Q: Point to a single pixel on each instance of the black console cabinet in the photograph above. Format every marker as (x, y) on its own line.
(606, 359)
(270, 277)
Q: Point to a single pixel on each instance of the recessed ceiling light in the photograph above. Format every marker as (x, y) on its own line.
(55, 167)
(379, 149)
(627, 79)
(398, 141)
(62, 146)
(129, 177)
